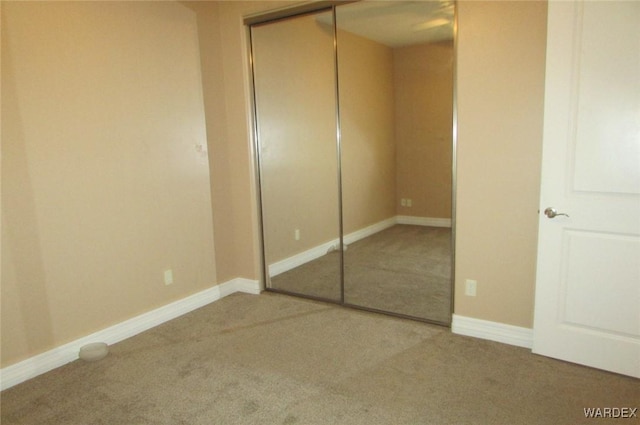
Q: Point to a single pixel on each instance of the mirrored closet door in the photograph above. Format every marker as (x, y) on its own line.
(295, 107)
(373, 169)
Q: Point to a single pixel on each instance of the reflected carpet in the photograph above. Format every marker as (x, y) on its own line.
(404, 269)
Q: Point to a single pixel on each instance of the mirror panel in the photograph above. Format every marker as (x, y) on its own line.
(389, 177)
(295, 99)
(395, 73)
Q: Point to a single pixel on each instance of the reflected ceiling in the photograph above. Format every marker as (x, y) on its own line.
(399, 23)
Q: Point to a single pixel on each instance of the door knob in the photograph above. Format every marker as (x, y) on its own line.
(551, 213)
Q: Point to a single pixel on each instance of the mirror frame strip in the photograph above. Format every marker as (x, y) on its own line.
(338, 149)
(454, 160)
(291, 11)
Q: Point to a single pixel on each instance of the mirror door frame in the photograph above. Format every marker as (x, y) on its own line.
(310, 8)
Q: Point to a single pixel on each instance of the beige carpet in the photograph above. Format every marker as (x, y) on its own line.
(403, 269)
(274, 359)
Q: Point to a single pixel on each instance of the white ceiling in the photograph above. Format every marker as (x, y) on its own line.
(398, 23)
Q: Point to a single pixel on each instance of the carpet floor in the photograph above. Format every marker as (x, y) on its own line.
(404, 269)
(275, 359)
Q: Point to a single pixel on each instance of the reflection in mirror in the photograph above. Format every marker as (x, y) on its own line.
(294, 85)
(395, 73)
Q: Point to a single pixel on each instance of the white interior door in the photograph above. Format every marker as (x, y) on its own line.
(588, 277)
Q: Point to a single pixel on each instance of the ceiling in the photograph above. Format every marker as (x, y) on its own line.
(398, 23)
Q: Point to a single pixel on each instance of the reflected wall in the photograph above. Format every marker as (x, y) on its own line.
(294, 77)
(367, 127)
(396, 109)
(423, 84)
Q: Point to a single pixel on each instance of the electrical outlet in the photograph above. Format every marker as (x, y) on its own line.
(470, 287)
(403, 202)
(296, 234)
(409, 203)
(168, 277)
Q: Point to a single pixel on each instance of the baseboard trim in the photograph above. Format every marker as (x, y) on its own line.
(423, 221)
(59, 356)
(493, 331)
(301, 258)
(369, 230)
(320, 250)
(248, 286)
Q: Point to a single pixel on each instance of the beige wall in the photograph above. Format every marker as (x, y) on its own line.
(500, 84)
(296, 108)
(225, 77)
(209, 39)
(423, 81)
(296, 103)
(103, 187)
(238, 212)
(365, 75)
(500, 105)
(105, 177)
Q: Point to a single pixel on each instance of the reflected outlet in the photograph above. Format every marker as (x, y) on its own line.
(168, 277)
(470, 287)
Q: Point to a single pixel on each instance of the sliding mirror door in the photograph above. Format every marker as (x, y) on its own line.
(395, 73)
(295, 101)
(358, 151)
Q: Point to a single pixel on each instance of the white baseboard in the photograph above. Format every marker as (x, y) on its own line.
(423, 221)
(59, 356)
(494, 331)
(320, 250)
(301, 258)
(248, 286)
(369, 230)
